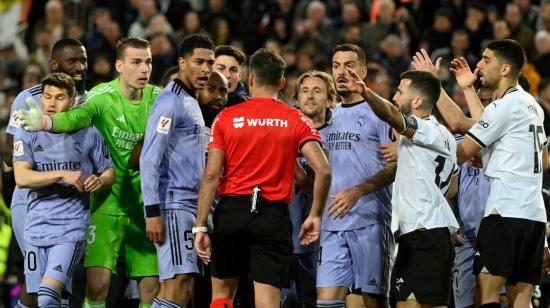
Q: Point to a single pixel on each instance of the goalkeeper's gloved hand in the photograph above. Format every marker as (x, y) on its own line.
(33, 119)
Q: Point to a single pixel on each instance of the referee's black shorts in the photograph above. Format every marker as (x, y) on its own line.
(511, 248)
(257, 243)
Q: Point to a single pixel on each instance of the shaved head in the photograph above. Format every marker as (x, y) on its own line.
(213, 97)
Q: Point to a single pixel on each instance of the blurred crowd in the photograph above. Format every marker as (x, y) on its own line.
(302, 31)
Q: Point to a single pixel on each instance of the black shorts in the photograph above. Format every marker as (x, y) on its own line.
(511, 248)
(257, 243)
(423, 267)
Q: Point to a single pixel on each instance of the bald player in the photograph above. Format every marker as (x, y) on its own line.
(213, 97)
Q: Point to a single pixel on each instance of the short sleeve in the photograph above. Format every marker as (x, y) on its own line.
(428, 134)
(216, 133)
(99, 153)
(18, 104)
(493, 124)
(306, 130)
(22, 146)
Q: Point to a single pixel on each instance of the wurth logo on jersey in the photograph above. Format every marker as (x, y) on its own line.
(164, 125)
(241, 121)
(238, 122)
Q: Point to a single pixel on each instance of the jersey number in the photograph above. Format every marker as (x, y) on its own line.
(31, 261)
(537, 146)
(188, 237)
(440, 160)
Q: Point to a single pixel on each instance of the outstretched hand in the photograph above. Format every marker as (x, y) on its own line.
(356, 84)
(422, 62)
(463, 74)
(32, 120)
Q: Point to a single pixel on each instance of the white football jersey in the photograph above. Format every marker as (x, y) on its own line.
(511, 133)
(425, 166)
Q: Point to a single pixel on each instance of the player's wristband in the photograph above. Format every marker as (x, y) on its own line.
(47, 124)
(202, 229)
(152, 210)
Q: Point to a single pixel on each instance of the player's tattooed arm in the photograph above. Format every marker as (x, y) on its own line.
(342, 202)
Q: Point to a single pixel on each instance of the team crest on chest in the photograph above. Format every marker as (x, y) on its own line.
(361, 120)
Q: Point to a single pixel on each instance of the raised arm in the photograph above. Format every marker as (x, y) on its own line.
(449, 110)
(383, 109)
(64, 122)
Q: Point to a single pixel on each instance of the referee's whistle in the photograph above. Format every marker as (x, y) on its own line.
(255, 196)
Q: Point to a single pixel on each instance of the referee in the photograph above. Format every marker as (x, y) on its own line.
(256, 144)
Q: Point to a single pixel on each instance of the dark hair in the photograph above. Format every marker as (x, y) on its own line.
(134, 42)
(426, 84)
(509, 52)
(226, 50)
(351, 47)
(64, 42)
(60, 80)
(169, 72)
(267, 66)
(193, 41)
(524, 82)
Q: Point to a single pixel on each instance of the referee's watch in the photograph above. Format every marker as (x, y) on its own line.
(202, 229)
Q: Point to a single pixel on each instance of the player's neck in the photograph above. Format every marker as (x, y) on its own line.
(352, 98)
(503, 86)
(130, 93)
(319, 120)
(266, 92)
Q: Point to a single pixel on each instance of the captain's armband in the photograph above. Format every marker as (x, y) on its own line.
(410, 124)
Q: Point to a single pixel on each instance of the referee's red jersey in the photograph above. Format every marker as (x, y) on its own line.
(261, 139)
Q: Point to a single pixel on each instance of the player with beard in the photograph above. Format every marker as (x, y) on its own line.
(515, 218)
(119, 110)
(213, 97)
(427, 163)
(356, 240)
(315, 93)
(68, 56)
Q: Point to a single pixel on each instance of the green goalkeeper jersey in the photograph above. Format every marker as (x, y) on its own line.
(122, 125)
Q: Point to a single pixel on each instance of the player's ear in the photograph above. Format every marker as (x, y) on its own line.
(363, 72)
(72, 101)
(181, 63)
(282, 83)
(251, 80)
(505, 70)
(118, 66)
(54, 65)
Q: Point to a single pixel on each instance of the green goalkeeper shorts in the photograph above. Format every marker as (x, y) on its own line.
(111, 235)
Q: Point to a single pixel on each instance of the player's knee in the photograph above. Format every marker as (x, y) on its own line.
(149, 286)
(322, 303)
(49, 296)
(221, 303)
(96, 289)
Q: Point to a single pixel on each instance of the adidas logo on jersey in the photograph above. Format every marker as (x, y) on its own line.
(58, 268)
(121, 119)
(39, 148)
(372, 282)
